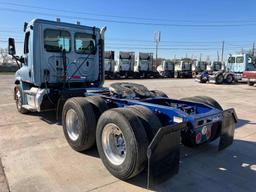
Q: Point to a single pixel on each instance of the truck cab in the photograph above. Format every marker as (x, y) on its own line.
(109, 63)
(183, 68)
(56, 56)
(166, 68)
(198, 67)
(240, 63)
(215, 66)
(144, 65)
(125, 64)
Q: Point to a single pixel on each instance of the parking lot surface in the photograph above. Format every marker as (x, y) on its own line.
(36, 157)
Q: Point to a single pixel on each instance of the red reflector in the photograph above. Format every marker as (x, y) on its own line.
(76, 77)
(208, 134)
(198, 138)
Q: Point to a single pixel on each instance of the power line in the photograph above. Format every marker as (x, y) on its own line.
(125, 17)
(128, 22)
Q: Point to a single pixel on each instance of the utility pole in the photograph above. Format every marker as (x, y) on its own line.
(222, 51)
(218, 55)
(157, 40)
(253, 49)
(200, 57)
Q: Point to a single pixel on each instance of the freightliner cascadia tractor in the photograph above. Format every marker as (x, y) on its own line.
(134, 128)
(109, 64)
(183, 68)
(125, 65)
(143, 67)
(166, 69)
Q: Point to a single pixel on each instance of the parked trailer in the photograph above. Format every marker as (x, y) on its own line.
(109, 64)
(237, 64)
(166, 69)
(133, 127)
(125, 64)
(143, 67)
(249, 77)
(183, 68)
(198, 67)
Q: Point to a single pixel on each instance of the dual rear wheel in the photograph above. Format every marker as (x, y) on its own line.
(122, 135)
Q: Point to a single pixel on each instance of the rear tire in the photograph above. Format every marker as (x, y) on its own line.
(149, 120)
(229, 79)
(122, 143)
(188, 137)
(158, 93)
(204, 100)
(98, 104)
(219, 79)
(250, 83)
(79, 123)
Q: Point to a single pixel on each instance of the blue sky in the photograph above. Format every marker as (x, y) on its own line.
(188, 27)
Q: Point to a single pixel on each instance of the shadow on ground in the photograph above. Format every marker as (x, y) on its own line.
(233, 169)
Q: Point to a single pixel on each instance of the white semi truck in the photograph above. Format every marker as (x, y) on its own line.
(183, 68)
(125, 64)
(198, 67)
(215, 66)
(166, 69)
(144, 65)
(109, 64)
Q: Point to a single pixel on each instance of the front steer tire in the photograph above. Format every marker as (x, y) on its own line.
(84, 118)
(19, 100)
(136, 143)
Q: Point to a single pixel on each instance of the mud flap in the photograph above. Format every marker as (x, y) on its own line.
(164, 154)
(228, 128)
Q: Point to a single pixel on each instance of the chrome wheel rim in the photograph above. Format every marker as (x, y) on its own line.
(18, 99)
(114, 144)
(72, 124)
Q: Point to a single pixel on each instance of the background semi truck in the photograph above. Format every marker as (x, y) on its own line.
(109, 64)
(237, 64)
(125, 64)
(183, 68)
(144, 65)
(215, 66)
(134, 128)
(166, 68)
(198, 67)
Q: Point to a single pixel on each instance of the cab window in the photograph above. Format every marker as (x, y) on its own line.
(231, 60)
(57, 40)
(26, 43)
(85, 43)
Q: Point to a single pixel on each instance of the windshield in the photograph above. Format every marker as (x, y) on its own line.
(57, 40)
(144, 62)
(231, 60)
(240, 59)
(85, 43)
(125, 61)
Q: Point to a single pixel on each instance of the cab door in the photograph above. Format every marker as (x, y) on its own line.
(26, 74)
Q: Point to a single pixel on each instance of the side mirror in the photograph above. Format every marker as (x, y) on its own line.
(11, 47)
